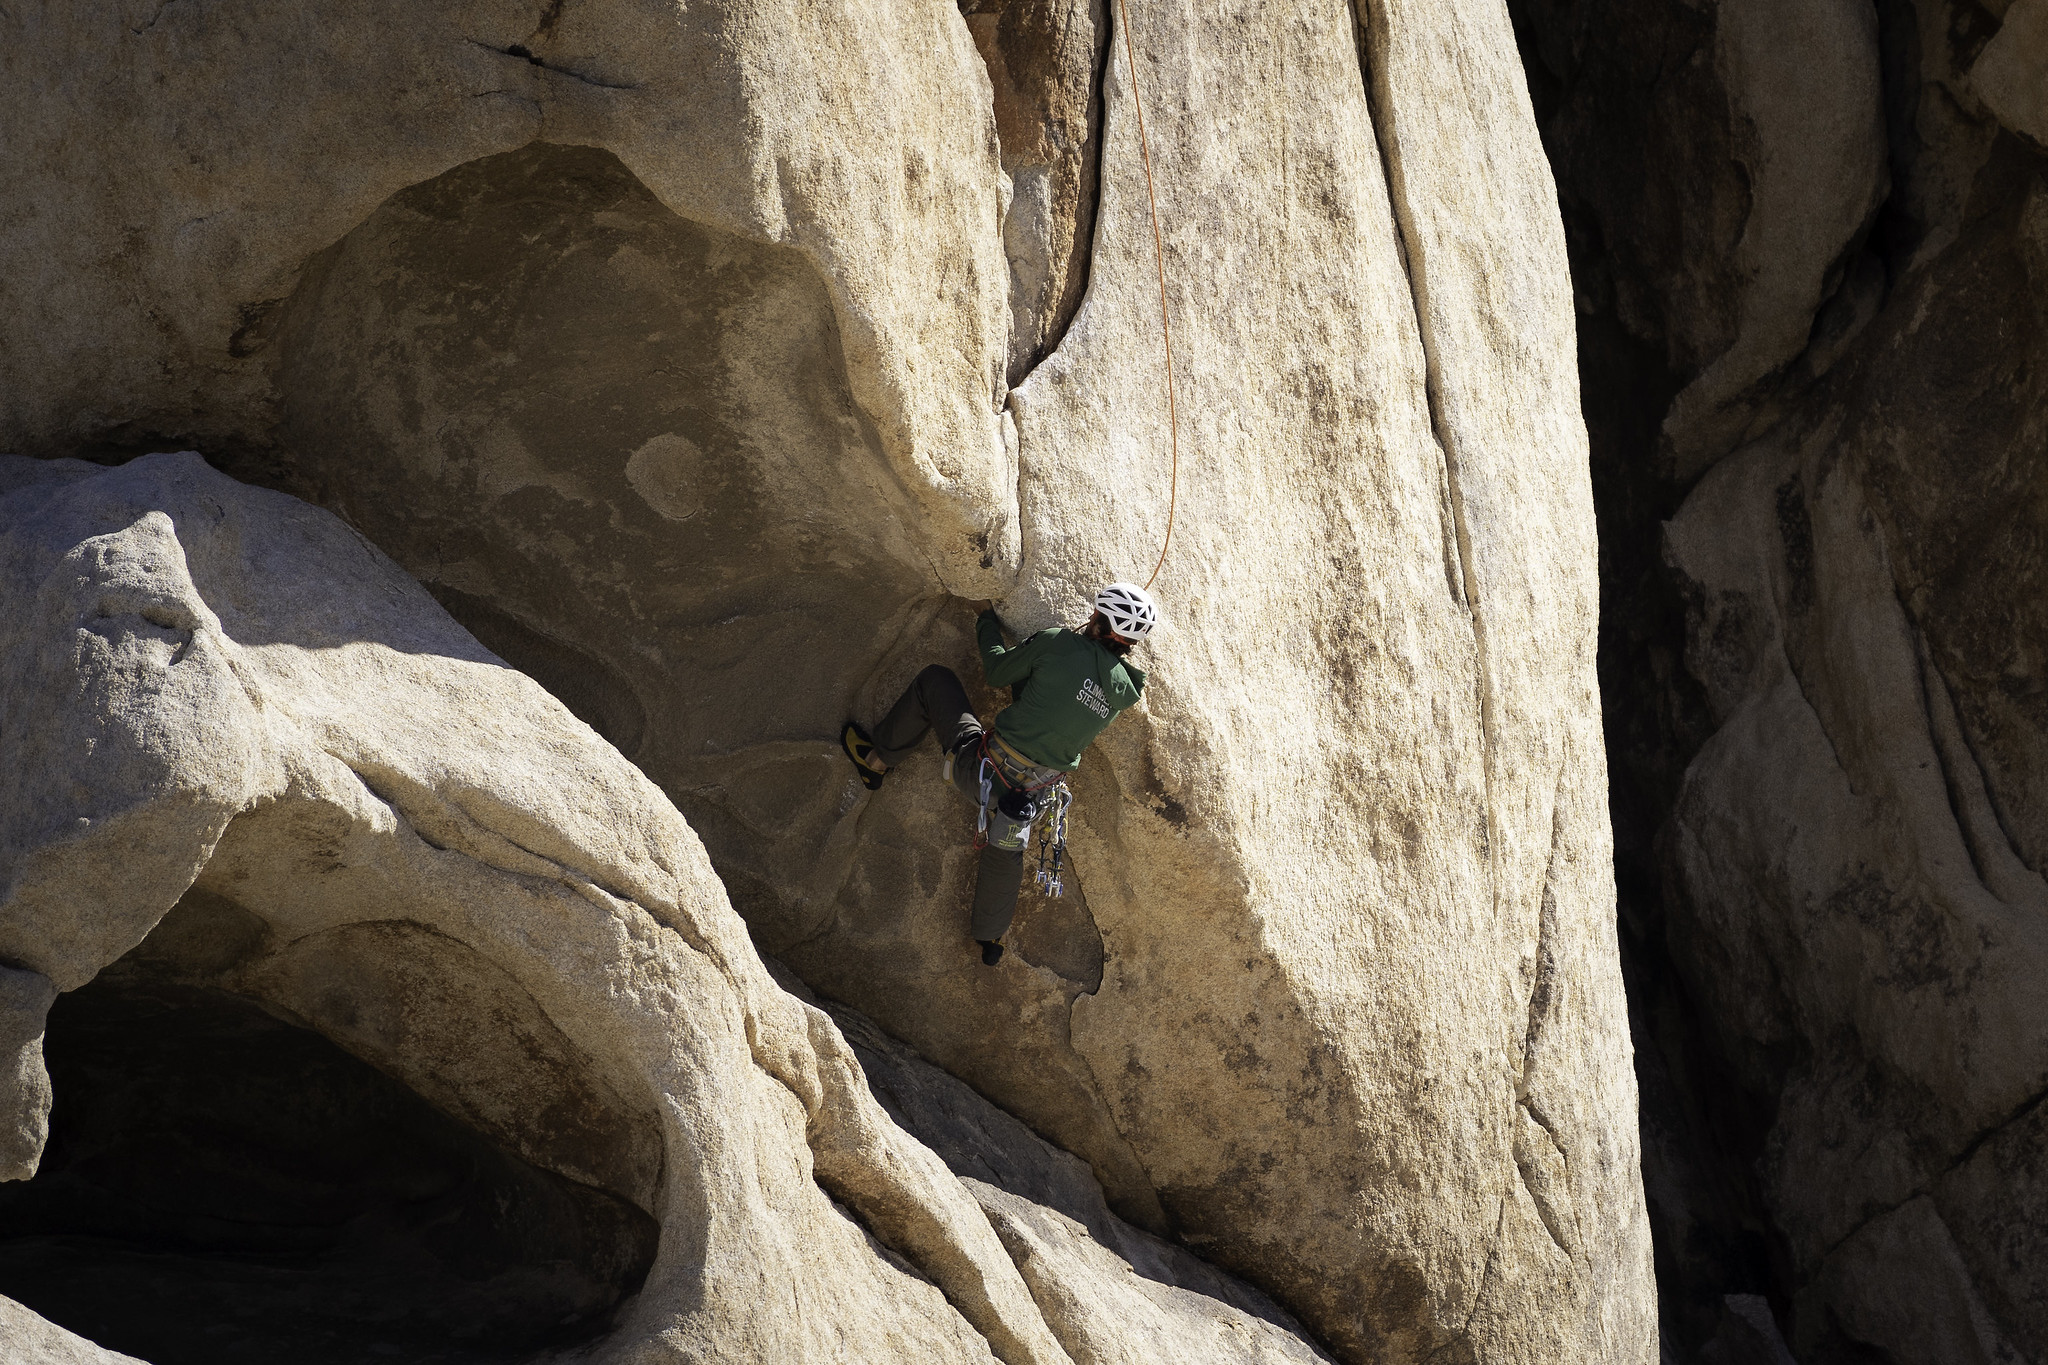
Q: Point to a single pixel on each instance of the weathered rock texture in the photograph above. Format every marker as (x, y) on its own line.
(217, 692)
(667, 349)
(855, 136)
(24, 1082)
(33, 1340)
(272, 770)
(1044, 60)
(1112, 1292)
(1830, 814)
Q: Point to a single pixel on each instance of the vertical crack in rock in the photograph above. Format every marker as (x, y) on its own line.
(1994, 856)
(1543, 982)
(1045, 61)
(1088, 210)
(1372, 45)
(1091, 185)
(1541, 1162)
(1458, 574)
(1500, 1222)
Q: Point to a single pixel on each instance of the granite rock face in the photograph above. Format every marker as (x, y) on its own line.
(1824, 693)
(25, 999)
(1113, 1293)
(33, 1340)
(701, 362)
(413, 851)
(226, 708)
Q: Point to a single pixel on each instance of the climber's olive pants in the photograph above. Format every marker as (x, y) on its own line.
(935, 700)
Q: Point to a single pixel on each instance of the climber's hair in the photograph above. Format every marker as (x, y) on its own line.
(1098, 630)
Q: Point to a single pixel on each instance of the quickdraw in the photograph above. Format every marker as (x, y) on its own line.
(1052, 840)
(988, 769)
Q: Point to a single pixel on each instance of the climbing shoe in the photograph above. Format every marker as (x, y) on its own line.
(991, 953)
(861, 749)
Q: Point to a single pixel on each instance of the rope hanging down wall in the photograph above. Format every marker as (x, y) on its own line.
(1159, 260)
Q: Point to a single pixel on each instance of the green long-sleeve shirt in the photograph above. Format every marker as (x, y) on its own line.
(1068, 687)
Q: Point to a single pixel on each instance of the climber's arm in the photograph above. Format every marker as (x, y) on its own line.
(1004, 666)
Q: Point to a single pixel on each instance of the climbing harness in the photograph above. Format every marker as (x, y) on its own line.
(1019, 803)
(1159, 260)
(1052, 843)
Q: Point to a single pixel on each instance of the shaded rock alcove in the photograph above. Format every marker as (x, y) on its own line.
(621, 448)
(376, 827)
(225, 1188)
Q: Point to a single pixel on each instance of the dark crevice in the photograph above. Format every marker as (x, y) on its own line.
(1031, 59)
(525, 54)
(1088, 217)
(1603, 80)
(2018, 1114)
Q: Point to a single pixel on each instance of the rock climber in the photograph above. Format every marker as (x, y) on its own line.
(1066, 686)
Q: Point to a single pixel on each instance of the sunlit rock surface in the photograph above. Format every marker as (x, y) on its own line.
(668, 350)
(344, 833)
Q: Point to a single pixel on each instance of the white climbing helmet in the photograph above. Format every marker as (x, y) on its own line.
(1129, 609)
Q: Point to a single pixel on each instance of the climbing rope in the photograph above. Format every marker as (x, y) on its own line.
(1159, 260)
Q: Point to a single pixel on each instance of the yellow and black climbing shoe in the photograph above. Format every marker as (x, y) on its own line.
(861, 750)
(991, 953)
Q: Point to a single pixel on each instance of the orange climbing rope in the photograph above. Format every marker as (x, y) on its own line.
(1159, 259)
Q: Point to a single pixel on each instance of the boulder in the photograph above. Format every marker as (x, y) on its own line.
(224, 700)
(1353, 848)
(1855, 876)
(857, 137)
(667, 350)
(420, 856)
